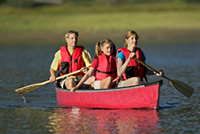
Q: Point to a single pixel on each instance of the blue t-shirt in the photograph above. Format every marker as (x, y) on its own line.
(123, 58)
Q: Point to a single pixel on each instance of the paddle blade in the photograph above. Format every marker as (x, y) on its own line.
(28, 88)
(182, 87)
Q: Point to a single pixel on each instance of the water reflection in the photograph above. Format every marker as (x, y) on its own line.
(120, 121)
(24, 65)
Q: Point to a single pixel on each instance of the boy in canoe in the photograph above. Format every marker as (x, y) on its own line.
(68, 59)
(129, 71)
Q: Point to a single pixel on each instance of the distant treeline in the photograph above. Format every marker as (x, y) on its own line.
(33, 3)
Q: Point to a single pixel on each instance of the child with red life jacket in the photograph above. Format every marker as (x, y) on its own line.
(103, 66)
(129, 71)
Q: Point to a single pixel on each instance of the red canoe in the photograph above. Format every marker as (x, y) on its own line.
(141, 96)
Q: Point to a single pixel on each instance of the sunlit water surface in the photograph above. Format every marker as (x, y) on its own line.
(39, 113)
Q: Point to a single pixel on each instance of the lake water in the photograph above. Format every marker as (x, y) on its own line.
(39, 113)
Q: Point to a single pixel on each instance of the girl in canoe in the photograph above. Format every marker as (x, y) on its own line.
(103, 66)
(129, 71)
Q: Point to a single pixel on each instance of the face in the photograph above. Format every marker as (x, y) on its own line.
(71, 40)
(107, 49)
(132, 41)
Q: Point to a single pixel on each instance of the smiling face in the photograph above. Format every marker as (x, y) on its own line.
(131, 41)
(107, 49)
(72, 40)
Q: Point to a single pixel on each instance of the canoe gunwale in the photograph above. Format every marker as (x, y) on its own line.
(160, 82)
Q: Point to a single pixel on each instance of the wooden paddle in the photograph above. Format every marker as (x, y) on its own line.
(180, 86)
(32, 87)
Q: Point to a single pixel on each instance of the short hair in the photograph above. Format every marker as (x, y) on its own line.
(71, 32)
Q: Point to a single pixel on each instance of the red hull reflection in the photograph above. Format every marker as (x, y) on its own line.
(120, 121)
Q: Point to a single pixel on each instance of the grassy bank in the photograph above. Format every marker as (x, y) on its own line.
(47, 25)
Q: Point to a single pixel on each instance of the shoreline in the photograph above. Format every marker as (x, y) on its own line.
(47, 25)
(164, 36)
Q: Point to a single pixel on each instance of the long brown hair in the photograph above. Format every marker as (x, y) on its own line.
(101, 44)
(129, 34)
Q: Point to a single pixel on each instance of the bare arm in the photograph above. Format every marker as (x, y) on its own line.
(122, 67)
(52, 78)
(85, 77)
(54, 66)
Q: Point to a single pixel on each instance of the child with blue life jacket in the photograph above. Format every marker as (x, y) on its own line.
(129, 71)
(103, 66)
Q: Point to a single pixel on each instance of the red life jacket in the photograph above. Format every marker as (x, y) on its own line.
(106, 67)
(71, 63)
(134, 69)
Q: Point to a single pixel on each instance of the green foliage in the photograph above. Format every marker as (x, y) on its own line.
(97, 19)
(108, 18)
(19, 3)
(2, 1)
(90, 3)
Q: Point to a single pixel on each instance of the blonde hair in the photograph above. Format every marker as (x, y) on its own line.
(101, 44)
(71, 32)
(129, 34)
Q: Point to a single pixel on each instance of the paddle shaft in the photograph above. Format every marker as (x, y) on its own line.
(37, 85)
(63, 76)
(180, 86)
(147, 66)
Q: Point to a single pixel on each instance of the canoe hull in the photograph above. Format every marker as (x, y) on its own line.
(142, 96)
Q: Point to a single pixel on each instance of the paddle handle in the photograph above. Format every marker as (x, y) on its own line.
(152, 69)
(147, 66)
(72, 73)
